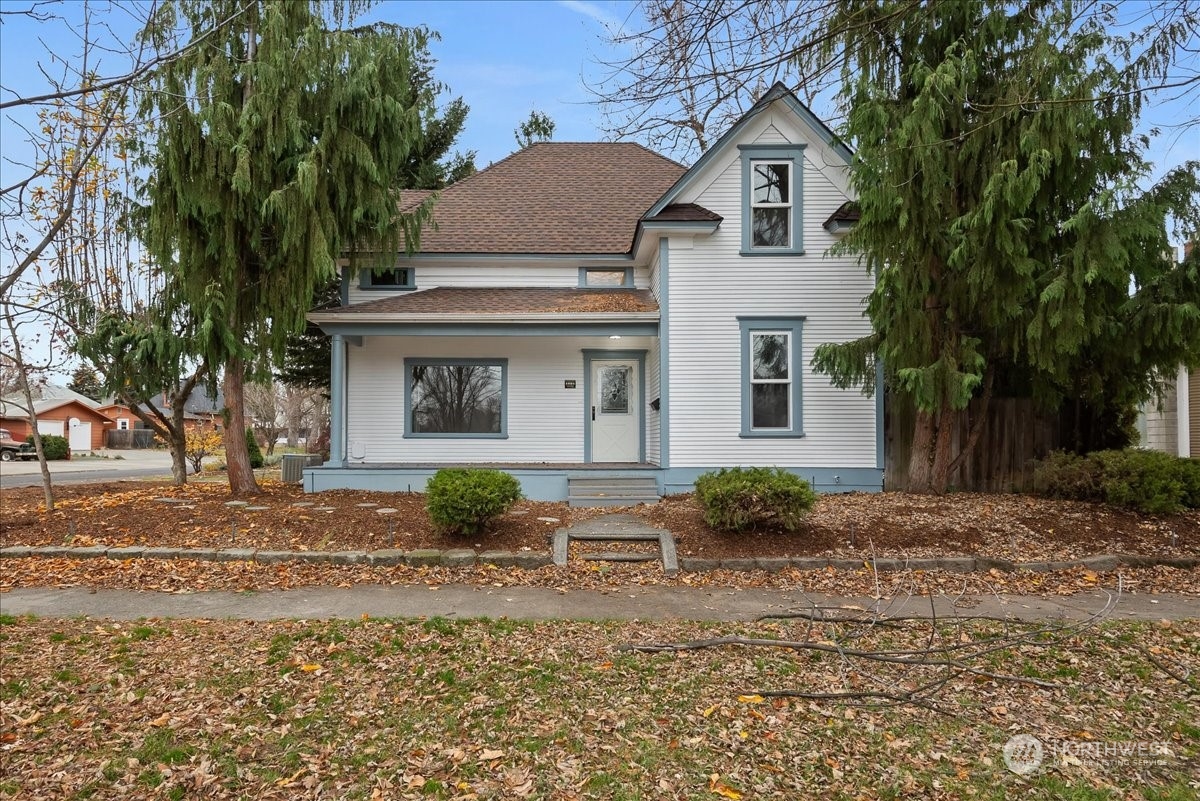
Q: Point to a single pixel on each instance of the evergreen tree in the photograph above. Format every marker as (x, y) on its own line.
(86, 381)
(538, 127)
(278, 147)
(430, 165)
(997, 172)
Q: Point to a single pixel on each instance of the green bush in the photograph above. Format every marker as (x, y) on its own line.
(461, 501)
(1149, 482)
(738, 499)
(54, 446)
(1191, 482)
(256, 457)
(1068, 475)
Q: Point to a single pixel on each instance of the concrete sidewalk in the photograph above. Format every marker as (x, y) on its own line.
(536, 603)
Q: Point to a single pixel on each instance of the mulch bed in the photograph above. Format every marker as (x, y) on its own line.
(1014, 527)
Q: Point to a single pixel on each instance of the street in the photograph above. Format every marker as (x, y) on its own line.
(113, 465)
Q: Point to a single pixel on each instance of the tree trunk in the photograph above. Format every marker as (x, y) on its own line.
(237, 457)
(943, 455)
(920, 463)
(27, 393)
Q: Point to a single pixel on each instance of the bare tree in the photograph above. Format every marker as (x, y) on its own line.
(687, 69)
(263, 402)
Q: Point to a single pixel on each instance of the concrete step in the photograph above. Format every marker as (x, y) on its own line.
(611, 500)
(620, 556)
(613, 481)
(649, 535)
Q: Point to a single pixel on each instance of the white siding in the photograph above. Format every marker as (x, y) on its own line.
(545, 421)
(1161, 431)
(430, 275)
(711, 285)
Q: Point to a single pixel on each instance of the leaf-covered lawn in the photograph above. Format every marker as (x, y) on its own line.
(496, 709)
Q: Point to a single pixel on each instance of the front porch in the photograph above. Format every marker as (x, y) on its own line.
(543, 481)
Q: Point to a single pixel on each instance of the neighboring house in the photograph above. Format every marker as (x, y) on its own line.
(597, 311)
(82, 425)
(1174, 425)
(200, 410)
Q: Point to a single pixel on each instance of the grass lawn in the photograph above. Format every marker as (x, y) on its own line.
(496, 709)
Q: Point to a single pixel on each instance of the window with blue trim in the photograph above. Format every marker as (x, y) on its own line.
(456, 397)
(771, 370)
(395, 278)
(606, 277)
(772, 199)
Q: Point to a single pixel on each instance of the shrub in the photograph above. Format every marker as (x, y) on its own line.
(463, 501)
(738, 499)
(1190, 469)
(199, 443)
(256, 457)
(1149, 482)
(54, 446)
(1068, 475)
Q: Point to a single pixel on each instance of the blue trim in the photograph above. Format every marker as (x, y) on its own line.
(793, 155)
(338, 378)
(664, 353)
(880, 453)
(365, 274)
(596, 354)
(687, 226)
(646, 329)
(344, 290)
(419, 362)
(550, 484)
(793, 325)
(626, 282)
(776, 92)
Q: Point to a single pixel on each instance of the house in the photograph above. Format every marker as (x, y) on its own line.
(82, 425)
(1173, 426)
(597, 314)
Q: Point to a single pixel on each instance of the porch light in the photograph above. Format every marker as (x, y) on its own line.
(614, 336)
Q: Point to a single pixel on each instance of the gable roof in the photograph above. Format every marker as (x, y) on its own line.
(551, 198)
(19, 411)
(777, 92)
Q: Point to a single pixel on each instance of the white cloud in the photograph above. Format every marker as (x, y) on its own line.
(594, 12)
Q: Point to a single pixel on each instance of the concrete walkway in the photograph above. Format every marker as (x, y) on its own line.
(535, 603)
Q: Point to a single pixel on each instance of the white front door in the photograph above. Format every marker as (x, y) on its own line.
(616, 413)
(81, 435)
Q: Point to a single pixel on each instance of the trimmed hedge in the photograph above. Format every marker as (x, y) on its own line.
(464, 501)
(737, 499)
(256, 457)
(1150, 482)
(54, 446)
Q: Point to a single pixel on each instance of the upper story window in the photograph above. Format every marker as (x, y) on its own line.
(601, 277)
(396, 278)
(772, 200)
(771, 204)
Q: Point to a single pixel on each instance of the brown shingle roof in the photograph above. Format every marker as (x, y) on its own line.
(847, 212)
(552, 197)
(507, 300)
(685, 212)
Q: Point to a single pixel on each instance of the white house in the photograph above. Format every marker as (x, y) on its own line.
(596, 314)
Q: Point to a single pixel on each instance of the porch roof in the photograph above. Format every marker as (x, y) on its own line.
(500, 304)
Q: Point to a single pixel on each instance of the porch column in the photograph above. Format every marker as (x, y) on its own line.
(337, 401)
(1183, 417)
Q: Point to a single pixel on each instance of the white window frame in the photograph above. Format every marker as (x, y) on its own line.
(787, 381)
(762, 204)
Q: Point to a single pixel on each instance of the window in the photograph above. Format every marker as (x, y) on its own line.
(456, 397)
(605, 277)
(771, 213)
(122, 423)
(770, 204)
(771, 377)
(397, 278)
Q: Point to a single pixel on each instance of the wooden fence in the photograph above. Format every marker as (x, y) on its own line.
(130, 438)
(1015, 436)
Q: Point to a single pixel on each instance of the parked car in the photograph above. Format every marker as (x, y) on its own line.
(11, 449)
